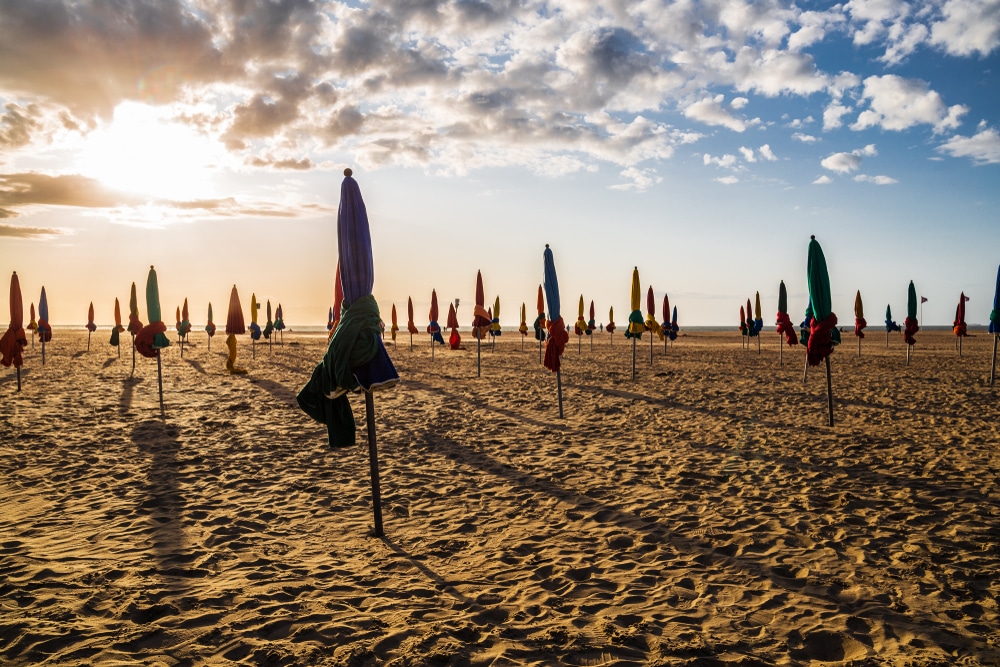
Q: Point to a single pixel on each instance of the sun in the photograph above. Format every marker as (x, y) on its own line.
(143, 151)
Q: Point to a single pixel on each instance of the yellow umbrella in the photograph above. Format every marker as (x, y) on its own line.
(635, 323)
(234, 327)
(495, 324)
(580, 326)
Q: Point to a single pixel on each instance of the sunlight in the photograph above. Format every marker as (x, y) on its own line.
(142, 151)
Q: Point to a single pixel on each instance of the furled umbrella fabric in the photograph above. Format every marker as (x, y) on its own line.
(558, 338)
(395, 323)
(744, 330)
(806, 325)
(751, 323)
(651, 323)
(758, 318)
(859, 316)
(153, 337)
(635, 321)
(580, 326)
(91, 327)
(481, 318)
(410, 326)
(210, 326)
(14, 340)
(523, 328)
(269, 325)
(32, 324)
(355, 358)
(255, 331)
(783, 322)
(434, 328)
(890, 324)
(177, 325)
(610, 326)
(592, 321)
(117, 329)
(44, 329)
(959, 327)
(539, 324)
(235, 326)
(329, 319)
(185, 319)
(134, 323)
(994, 327)
(823, 332)
(674, 327)
(279, 319)
(454, 340)
(495, 329)
(910, 324)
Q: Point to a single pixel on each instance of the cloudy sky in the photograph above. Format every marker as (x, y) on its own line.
(700, 141)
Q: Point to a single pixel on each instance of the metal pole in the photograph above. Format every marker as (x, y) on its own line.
(373, 464)
(19, 378)
(479, 353)
(993, 367)
(159, 381)
(829, 390)
(559, 391)
(633, 359)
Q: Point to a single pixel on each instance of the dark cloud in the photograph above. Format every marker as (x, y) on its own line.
(19, 232)
(19, 190)
(303, 164)
(343, 122)
(17, 125)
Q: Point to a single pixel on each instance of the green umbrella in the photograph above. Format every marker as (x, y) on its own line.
(153, 337)
(823, 333)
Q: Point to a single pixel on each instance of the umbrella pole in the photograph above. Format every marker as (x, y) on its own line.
(432, 347)
(493, 344)
(805, 370)
(373, 463)
(253, 349)
(993, 366)
(559, 392)
(159, 381)
(633, 360)
(959, 346)
(411, 342)
(133, 356)
(19, 378)
(829, 390)
(522, 343)
(591, 342)
(119, 351)
(88, 341)
(539, 350)
(650, 348)
(908, 346)
(479, 355)
(859, 347)
(43, 351)
(579, 344)
(758, 344)
(781, 349)
(887, 339)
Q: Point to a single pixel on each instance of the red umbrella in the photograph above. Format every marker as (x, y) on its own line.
(32, 325)
(539, 324)
(481, 320)
(14, 339)
(610, 326)
(455, 340)
(744, 330)
(958, 325)
(91, 327)
(235, 326)
(433, 328)
(410, 326)
(395, 324)
(651, 323)
(783, 323)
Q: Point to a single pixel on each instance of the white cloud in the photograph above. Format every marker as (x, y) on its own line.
(747, 154)
(904, 40)
(709, 111)
(804, 138)
(739, 102)
(766, 153)
(727, 161)
(774, 72)
(844, 163)
(877, 180)
(823, 180)
(874, 16)
(983, 147)
(896, 103)
(968, 27)
(833, 114)
(639, 179)
(727, 180)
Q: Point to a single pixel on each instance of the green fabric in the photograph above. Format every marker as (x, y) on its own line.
(354, 344)
(635, 317)
(819, 282)
(153, 297)
(888, 313)
(114, 336)
(911, 302)
(995, 317)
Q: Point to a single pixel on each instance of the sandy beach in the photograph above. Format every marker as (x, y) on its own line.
(705, 514)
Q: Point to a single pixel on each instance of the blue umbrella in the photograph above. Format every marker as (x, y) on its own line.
(558, 337)
(356, 359)
(995, 326)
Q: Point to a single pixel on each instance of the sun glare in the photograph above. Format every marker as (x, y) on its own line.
(142, 151)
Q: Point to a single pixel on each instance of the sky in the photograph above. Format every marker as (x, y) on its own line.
(702, 142)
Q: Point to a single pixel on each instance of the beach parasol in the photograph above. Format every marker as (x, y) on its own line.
(958, 326)
(610, 327)
(338, 299)
(823, 333)
(185, 327)
(591, 326)
(495, 329)
(890, 325)
(32, 325)
(994, 327)
(14, 339)
(153, 337)
(910, 324)
(481, 319)
(356, 358)
(651, 324)
(454, 340)
(254, 327)
(268, 328)
(539, 324)
(556, 343)
(580, 327)
(395, 326)
(279, 324)
(668, 333)
(410, 326)
(91, 327)
(329, 319)
(117, 329)
(744, 329)
(134, 323)
(635, 322)
(44, 330)
(783, 322)
(758, 320)
(210, 327)
(859, 319)
(433, 328)
(235, 326)
(523, 328)
(674, 328)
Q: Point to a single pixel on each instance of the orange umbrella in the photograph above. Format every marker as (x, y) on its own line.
(117, 329)
(410, 326)
(14, 339)
(234, 328)
(91, 327)
(433, 328)
(395, 324)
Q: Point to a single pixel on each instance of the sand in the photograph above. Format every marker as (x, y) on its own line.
(704, 514)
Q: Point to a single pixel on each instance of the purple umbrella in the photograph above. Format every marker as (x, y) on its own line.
(356, 359)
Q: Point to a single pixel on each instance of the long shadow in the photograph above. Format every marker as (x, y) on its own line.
(459, 398)
(195, 365)
(442, 583)
(77, 355)
(704, 554)
(128, 388)
(107, 363)
(279, 391)
(164, 503)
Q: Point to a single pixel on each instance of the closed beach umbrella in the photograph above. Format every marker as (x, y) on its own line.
(329, 319)
(91, 327)
(958, 326)
(134, 323)
(823, 332)
(44, 329)
(395, 324)
(495, 320)
(758, 319)
(210, 326)
(481, 320)
(269, 325)
(580, 326)
(235, 326)
(254, 327)
(433, 327)
(338, 298)
(185, 319)
(635, 321)
(454, 340)
(859, 319)
(591, 325)
(665, 324)
(610, 326)
(744, 329)
(910, 324)
(279, 323)
(674, 328)
(117, 329)
(557, 339)
(14, 339)
(523, 328)
(410, 326)
(153, 337)
(651, 324)
(783, 322)
(539, 324)
(356, 357)
(32, 324)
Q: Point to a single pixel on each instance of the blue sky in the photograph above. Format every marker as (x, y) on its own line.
(700, 141)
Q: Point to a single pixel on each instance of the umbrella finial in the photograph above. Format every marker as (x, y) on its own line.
(546, 245)
(348, 172)
(812, 237)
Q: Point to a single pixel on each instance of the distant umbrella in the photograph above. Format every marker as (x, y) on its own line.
(14, 339)
(434, 328)
(523, 328)
(651, 324)
(454, 340)
(610, 326)
(235, 326)
(744, 329)
(185, 324)
(356, 359)
(134, 323)
(395, 326)
(859, 319)
(255, 331)
(890, 325)
(580, 327)
(758, 320)
(910, 324)
(117, 329)
(44, 329)
(279, 324)
(823, 332)
(481, 320)
(539, 324)
(591, 326)
(32, 325)
(91, 327)
(495, 322)
(329, 320)
(210, 326)
(268, 328)
(410, 326)
(635, 321)
(153, 337)
(958, 326)
(674, 328)
(338, 299)
(668, 333)
(783, 321)
(556, 343)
